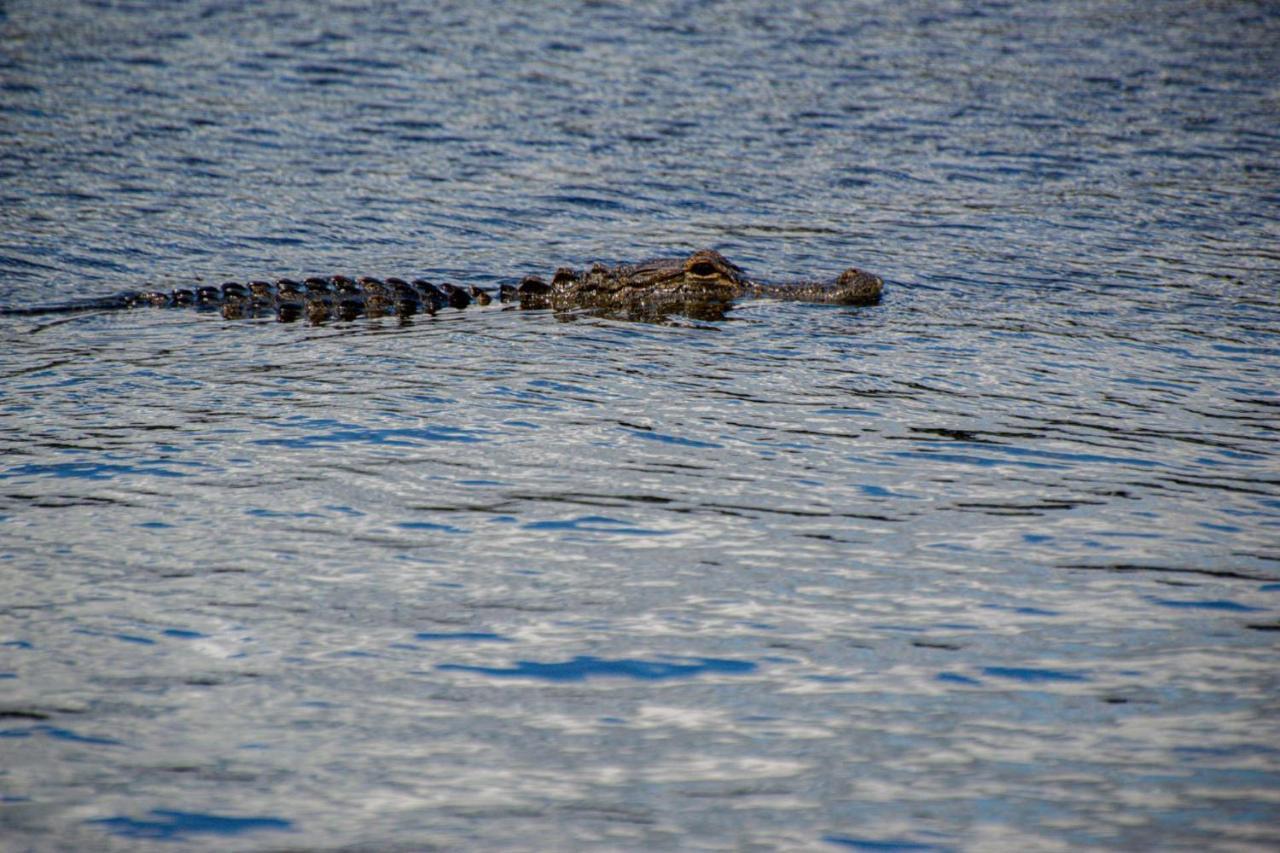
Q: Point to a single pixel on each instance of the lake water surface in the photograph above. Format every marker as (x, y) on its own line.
(992, 565)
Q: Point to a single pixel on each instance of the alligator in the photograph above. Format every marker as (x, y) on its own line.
(702, 285)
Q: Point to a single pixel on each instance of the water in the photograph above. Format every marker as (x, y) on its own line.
(992, 565)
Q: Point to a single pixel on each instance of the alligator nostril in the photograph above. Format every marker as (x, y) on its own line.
(703, 268)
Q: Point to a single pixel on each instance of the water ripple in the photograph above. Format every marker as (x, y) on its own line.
(1003, 545)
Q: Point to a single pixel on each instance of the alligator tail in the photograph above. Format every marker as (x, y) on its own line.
(103, 303)
(316, 299)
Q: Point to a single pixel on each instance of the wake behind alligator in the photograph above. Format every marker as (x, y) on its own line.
(702, 285)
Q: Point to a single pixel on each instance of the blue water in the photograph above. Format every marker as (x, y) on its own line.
(994, 564)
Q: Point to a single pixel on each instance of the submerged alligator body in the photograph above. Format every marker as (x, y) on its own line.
(702, 286)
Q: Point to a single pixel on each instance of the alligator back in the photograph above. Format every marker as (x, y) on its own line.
(316, 299)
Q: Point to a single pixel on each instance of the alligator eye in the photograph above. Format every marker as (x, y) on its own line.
(704, 269)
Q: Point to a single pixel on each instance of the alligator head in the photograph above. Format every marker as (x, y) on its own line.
(704, 274)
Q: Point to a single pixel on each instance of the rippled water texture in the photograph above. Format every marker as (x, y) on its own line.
(994, 564)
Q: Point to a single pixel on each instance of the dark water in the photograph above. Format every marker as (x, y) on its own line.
(992, 565)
